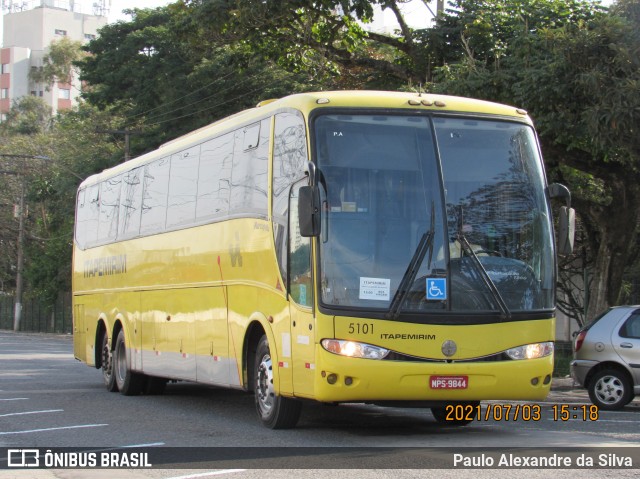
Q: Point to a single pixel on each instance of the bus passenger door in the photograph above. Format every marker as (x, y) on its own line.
(300, 303)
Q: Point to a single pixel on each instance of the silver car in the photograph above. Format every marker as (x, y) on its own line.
(606, 357)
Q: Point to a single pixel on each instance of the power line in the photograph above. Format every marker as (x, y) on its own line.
(180, 98)
(152, 120)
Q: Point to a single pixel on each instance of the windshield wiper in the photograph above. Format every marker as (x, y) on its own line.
(468, 250)
(409, 277)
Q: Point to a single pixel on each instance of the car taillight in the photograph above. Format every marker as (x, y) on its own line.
(579, 340)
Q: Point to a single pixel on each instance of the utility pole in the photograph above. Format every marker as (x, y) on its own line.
(17, 312)
(127, 135)
(18, 213)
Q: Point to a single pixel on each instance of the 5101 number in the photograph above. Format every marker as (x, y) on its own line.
(361, 328)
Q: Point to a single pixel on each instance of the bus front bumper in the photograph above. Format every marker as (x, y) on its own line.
(344, 379)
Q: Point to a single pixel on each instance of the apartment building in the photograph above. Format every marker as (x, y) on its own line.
(29, 28)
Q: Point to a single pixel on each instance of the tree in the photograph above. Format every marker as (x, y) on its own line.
(49, 157)
(322, 35)
(29, 115)
(58, 62)
(579, 80)
(167, 81)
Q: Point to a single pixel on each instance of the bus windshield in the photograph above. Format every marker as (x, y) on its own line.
(432, 214)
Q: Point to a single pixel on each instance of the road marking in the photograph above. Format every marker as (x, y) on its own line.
(7, 433)
(607, 420)
(14, 399)
(151, 444)
(31, 412)
(207, 474)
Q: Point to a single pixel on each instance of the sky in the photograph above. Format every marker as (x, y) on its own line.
(117, 6)
(115, 11)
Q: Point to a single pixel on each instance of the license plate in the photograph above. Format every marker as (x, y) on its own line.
(449, 382)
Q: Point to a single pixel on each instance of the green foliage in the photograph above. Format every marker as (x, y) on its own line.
(166, 79)
(66, 151)
(29, 115)
(57, 63)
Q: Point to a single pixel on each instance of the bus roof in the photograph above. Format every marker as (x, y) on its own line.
(306, 102)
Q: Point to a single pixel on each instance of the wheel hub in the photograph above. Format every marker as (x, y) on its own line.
(264, 385)
(609, 390)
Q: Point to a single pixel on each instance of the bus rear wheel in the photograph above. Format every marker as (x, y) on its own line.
(275, 412)
(129, 383)
(106, 359)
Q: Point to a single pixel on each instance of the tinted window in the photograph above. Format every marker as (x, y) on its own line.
(183, 187)
(130, 203)
(92, 214)
(631, 327)
(300, 287)
(249, 172)
(289, 162)
(109, 202)
(154, 198)
(214, 176)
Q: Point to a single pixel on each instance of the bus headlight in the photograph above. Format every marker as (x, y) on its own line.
(531, 351)
(354, 349)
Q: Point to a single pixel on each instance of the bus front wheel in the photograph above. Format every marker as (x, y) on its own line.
(129, 383)
(275, 412)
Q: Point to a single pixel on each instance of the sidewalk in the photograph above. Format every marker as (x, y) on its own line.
(564, 384)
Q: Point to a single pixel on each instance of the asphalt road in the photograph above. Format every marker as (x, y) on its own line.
(48, 400)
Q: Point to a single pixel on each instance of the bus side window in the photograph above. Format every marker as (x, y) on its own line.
(109, 205)
(154, 196)
(248, 195)
(300, 281)
(181, 205)
(130, 204)
(81, 217)
(290, 159)
(91, 218)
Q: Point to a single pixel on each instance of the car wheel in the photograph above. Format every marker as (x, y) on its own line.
(610, 389)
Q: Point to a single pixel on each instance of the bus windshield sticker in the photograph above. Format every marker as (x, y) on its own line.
(376, 289)
(437, 289)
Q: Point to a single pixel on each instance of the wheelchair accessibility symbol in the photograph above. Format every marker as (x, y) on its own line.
(436, 289)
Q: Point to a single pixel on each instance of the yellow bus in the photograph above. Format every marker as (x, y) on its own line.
(389, 248)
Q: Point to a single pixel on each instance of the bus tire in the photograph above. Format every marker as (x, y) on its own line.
(275, 412)
(442, 415)
(106, 360)
(129, 383)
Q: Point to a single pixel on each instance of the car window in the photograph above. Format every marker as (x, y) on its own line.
(588, 326)
(631, 327)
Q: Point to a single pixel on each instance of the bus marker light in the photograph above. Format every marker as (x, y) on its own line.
(322, 101)
(414, 102)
